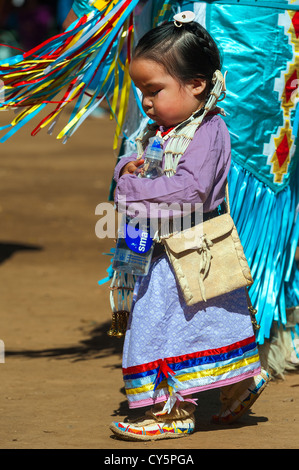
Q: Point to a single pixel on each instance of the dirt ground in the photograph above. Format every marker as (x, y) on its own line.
(61, 382)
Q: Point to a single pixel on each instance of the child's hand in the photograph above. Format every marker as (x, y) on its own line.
(131, 167)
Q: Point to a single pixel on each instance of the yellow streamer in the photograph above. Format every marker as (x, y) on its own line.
(124, 97)
(102, 4)
(25, 113)
(51, 118)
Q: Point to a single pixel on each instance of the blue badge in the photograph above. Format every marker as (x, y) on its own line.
(137, 236)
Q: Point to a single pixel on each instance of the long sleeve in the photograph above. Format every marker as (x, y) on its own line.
(122, 162)
(200, 175)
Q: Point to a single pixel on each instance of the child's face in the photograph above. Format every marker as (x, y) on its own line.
(165, 99)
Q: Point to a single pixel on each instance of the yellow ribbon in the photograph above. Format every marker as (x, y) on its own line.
(217, 371)
(102, 4)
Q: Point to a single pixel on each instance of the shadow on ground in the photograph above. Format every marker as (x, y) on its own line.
(97, 345)
(7, 250)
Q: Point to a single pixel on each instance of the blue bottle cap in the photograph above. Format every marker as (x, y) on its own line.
(156, 144)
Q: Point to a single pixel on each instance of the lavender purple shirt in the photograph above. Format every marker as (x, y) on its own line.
(200, 175)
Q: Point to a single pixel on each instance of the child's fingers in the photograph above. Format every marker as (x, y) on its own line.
(133, 165)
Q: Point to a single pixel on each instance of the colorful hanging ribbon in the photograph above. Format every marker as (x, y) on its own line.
(90, 58)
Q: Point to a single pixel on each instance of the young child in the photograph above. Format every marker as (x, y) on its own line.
(172, 350)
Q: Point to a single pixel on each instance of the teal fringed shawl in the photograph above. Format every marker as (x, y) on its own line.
(268, 225)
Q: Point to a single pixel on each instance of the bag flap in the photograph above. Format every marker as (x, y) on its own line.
(191, 239)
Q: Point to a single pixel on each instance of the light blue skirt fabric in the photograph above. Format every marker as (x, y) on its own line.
(174, 348)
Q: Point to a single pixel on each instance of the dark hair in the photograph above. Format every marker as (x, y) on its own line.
(186, 52)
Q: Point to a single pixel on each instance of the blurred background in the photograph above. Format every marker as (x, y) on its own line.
(26, 23)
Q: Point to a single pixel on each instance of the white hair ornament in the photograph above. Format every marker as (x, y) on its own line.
(183, 17)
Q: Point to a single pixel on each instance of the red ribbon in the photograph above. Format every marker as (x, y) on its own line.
(163, 369)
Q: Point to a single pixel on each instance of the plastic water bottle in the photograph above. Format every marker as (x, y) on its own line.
(135, 245)
(152, 167)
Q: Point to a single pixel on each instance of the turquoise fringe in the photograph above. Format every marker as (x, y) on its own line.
(292, 291)
(269, 232)
(109, 270)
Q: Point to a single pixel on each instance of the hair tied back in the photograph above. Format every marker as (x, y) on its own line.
(183, 17)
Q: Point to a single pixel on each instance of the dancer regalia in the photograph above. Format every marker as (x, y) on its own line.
(260, 45)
